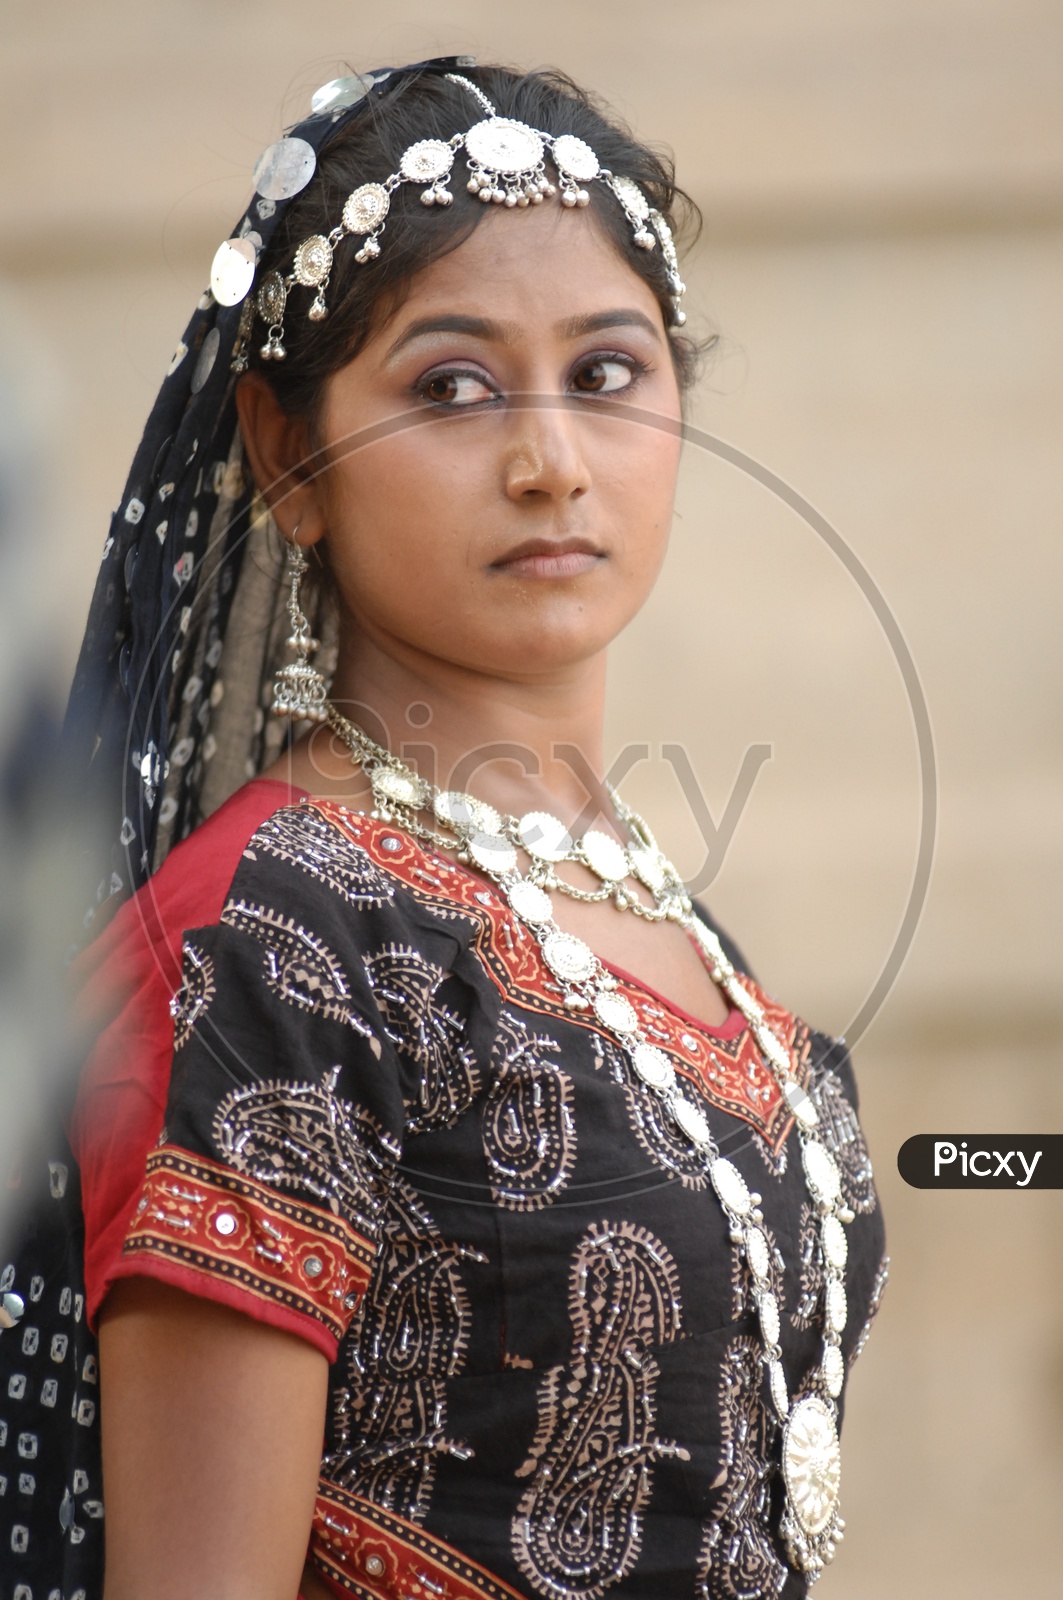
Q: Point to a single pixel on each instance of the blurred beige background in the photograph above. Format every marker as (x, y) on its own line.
(882, 183)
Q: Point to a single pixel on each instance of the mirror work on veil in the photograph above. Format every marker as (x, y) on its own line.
(445, 1211)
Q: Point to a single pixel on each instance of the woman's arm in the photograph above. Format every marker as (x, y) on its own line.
(212, 1431)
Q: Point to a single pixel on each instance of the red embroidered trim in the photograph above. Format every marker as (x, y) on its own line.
(376, 1555)
(730, 1072)
(231, 1229)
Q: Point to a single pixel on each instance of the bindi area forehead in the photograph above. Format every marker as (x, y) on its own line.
(519, 268)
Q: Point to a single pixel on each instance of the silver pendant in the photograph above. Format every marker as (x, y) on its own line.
(649, 868)
(833, 1369)
(811, 1464)
(837, 1305)
(758, 1255)
(631, 197)
(770, 1323)
(426, 160)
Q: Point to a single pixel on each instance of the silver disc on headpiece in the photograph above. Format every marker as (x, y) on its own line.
(425, 160)
(313, 261)
(366, 208)
(631, 197)
(232, 271)
(284, 169)
(576, 158)
(272, 298)
(208, 354)
(502, 145)
(341, 92)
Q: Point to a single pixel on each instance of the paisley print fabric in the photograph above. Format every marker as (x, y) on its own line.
(528, 1130)
(426, 1031)
(578, 1528)
(738, 1557)
(389, 1419)
(385, 1131)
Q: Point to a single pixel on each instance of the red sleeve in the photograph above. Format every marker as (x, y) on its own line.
(123, 984)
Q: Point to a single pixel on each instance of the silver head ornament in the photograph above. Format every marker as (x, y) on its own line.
(506, 164)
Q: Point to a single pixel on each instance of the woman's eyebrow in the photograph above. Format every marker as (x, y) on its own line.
(508, 333)
(599, 321)
(476, 327)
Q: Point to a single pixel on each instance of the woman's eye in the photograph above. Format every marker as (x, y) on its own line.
(603, 377)
(456, 389)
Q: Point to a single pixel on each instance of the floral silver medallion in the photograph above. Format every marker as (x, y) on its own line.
(272, 296)
(576, 158)
(366, 208)
(426, 160)
(811, 1464)
(501, 145)
(568, 957)
(313, 261)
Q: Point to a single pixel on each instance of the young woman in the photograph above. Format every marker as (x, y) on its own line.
(459, 1220)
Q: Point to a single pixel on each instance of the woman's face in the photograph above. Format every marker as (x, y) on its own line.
(515, 516)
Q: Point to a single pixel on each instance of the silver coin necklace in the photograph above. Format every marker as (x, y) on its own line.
(811, 1526)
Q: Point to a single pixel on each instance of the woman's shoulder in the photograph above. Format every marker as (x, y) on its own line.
(189, 890)
(143, 938)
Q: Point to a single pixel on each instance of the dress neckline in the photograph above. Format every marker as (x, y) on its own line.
(728, 1030)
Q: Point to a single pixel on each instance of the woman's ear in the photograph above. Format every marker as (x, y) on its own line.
(286, 468)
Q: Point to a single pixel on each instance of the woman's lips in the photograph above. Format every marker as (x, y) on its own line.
(544, 560)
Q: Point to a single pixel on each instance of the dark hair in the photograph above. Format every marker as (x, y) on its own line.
(369, 146)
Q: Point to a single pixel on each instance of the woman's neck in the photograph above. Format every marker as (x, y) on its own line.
(520, 745)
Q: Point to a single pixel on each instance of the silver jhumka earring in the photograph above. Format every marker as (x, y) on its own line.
(299, 689)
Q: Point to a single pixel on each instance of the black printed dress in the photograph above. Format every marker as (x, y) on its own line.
(384, 1131)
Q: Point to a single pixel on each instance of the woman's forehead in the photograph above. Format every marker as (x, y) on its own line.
(546, 266)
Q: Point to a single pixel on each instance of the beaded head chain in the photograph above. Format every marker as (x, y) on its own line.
(506, 163)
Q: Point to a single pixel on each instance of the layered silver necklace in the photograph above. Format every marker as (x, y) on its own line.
(810, 1455)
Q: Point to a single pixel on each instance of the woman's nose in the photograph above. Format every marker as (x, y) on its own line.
(545, 455)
